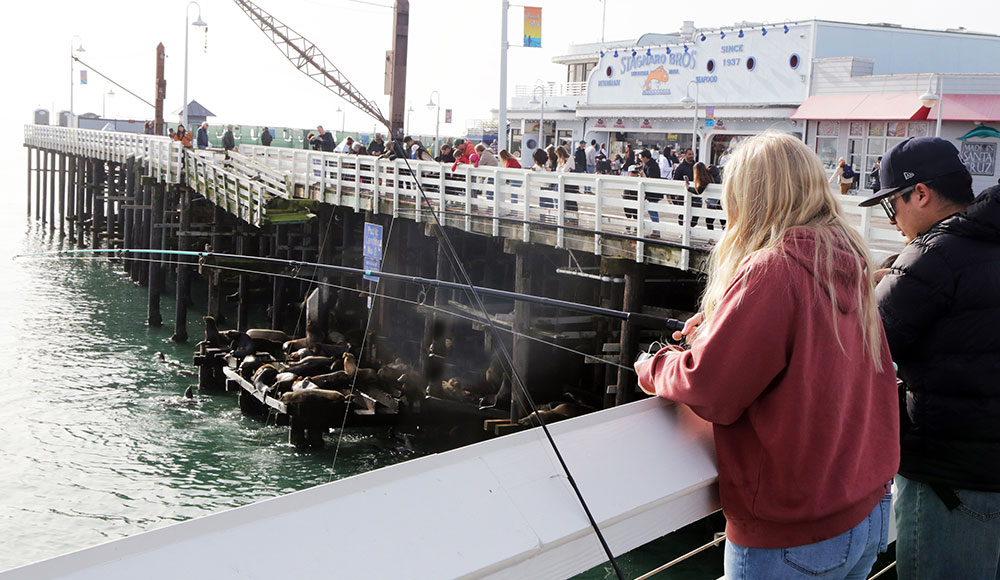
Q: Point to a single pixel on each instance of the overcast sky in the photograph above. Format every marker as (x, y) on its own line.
(454, 48)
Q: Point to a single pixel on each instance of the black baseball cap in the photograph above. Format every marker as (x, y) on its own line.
(915, 160)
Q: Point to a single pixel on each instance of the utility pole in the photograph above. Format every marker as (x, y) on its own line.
(397, 99)
(161, 91)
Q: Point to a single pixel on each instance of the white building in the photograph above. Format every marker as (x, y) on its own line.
(850, 90)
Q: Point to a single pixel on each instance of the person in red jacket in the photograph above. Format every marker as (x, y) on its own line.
(789, 361)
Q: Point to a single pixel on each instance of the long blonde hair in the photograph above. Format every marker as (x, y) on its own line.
(774, 183)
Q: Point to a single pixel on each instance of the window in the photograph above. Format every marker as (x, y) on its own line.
(869, 164)
(854, 150)
(826, 148)
(857, 129)
(828, 128)
(896, 129)
(577, 73)
(918, 129)
(876, 129)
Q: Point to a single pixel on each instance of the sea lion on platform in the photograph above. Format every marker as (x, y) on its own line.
(267, 334)
(312, 365)
(312, 412)
(252, 362)
(264, 377)
(332, 381)
(358, 374)
(243, 346)
(213, 337)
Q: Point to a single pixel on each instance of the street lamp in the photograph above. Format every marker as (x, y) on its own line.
(343, 121)
(187, 27)
(409, 115)
(688, 102)
(541, 112)
(104, 102)
(929, 99)
(432, 104)
(72, 80)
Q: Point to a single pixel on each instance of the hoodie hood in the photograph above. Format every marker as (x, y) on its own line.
(800, 245)
(980, 221)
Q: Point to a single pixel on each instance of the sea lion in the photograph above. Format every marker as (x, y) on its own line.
(242, 346)
(332, 381)
(311, 365)
(267, 334)
(212, 335)
(358, 374)
(264, 377)
(250, 364)
(312, 412)
(189, 392)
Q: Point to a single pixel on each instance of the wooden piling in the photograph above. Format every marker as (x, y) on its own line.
(519, 407)
(635, 280)
(79, 204)
(28, 183)
(279, 282)
(38, 184)
(111, 217)
(97, 197)
(183, 267)
(153, 316)
(243, 286)
(44, 176)
(129, 211)
(142, 241)
(63, 193)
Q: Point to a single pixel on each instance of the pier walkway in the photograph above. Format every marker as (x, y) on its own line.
(653, 221)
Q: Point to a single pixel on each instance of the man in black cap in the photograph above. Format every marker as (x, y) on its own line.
(940, 306)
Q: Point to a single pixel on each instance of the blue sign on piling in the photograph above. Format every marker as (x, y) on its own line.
(372, 247)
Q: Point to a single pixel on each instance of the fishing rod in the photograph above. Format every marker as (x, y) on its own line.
(645, 320)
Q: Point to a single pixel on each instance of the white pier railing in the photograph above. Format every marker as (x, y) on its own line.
(651, 220)
(163, 156)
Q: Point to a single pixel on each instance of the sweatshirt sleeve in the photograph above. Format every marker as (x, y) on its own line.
(746, 347)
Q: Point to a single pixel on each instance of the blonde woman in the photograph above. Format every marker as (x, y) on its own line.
(790, 364)
(843, 176)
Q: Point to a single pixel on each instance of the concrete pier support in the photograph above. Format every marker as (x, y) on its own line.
(46, 190)
(521, 352)
(142, 241)
(80, 203)
(38, 184)
(63, 193)
(28, 183)
(98, 178)
(280, 282)
(131, 214)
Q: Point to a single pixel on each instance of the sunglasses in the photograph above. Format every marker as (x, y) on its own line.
(888, 203)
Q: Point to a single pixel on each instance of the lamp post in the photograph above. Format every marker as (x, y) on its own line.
(409, 116)
(187, 27)
(343, 121)
(432, 104)
(688, 102)
(72, 80)
(104, 102)
(541, 113)
(929, 98)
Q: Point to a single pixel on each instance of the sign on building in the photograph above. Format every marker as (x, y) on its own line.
(447, 115)
(979, 158)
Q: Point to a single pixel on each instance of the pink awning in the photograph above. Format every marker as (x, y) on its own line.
(873, 107)
(968, 108)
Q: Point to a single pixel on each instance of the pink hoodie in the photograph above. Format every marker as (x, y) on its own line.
(806, 432)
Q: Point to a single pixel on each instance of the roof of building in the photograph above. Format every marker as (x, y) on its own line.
(196, 109)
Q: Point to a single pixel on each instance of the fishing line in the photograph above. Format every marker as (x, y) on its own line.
(453, 257)
(452, 313)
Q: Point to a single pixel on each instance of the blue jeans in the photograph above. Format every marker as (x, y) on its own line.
(849, 556)
(935, 542)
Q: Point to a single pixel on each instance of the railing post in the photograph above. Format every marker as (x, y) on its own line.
(468, 196)
(686, 235)
(640, 217)
(526, 226)
(598, 217)
(496, 201)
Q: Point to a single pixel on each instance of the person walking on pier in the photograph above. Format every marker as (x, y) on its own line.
(203, 135)
(228, 140)
(940, 306)
(685, 169)
(591, 151)
(788, 360)
(580, 158)
(266, 137)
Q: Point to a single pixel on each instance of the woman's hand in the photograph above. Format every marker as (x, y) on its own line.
(690, 330)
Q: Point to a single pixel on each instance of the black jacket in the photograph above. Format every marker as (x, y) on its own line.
(684, 169)
(228, 141)
(376, 148)
(580, 161)
(940, 306)
(265, 138)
